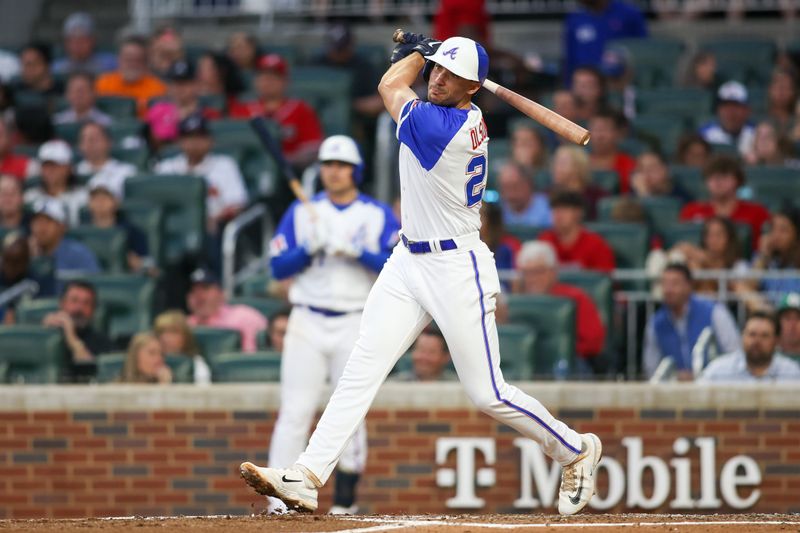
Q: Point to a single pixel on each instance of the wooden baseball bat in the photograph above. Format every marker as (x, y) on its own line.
(544, 116)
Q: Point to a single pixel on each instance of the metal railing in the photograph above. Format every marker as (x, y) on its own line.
(17, 291)
(257, 214)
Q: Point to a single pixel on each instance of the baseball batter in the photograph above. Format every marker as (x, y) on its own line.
(440, 270)
(334, 248)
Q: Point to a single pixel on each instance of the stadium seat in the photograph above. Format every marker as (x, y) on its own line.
(663, 130)
(629, 241)
(122, 130)
(516, 351)
(260, 172)
(654, 59)
(119, 107)
(265, 305)
(135, 155)
(258, 367)
(149, 220)
(128, 299)
(327, 90)
(68, 132)
(255, 285)
(608, 180)
(109, 367)
(108, 244)
(553, 319)
(42, 267)
(682, 232)
(748, 60)
(183, 202)
(597, 285)
(684, 103)
(214, 101)
(216, 341)
(523, 232)
(32, 312)
(661, 211)
(31, 354)
(690, 179)
(774, 184)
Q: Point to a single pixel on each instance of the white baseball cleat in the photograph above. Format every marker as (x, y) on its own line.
(577, 478)
(290, 485)
(342, 510)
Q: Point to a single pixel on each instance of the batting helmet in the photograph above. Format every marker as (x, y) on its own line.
(343, 148)
(463, 57)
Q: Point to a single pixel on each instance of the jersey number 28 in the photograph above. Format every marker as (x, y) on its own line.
(476, 170)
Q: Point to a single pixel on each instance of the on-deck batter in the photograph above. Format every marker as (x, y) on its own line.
(441, 270)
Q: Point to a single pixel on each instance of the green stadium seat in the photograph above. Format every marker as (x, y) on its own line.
(149, 220)
(128, 300)
(661, 211)
(255, 285)
(748, 60)
(42, 267)
(216, 341)
(327, 90)
(608, 180)
(629, 241)
(124, 129)
(553, 319)
(68, 132)
(108, 244)
(32, 312)
(498, 155)
(597, 285)
(135, 155)
(258, 367)
(774, 184)
(260, 172)
(684, 105)
(517, 342)
(262, 340)
(724, 149)
(214, 101)
(690, 179)
(109, 367)
(265, 305)
(523, 232)
(633, 147)
(31, 354)
(119, 107)
(663, 130)
(183, 202)
(682, 232)
(654, 59)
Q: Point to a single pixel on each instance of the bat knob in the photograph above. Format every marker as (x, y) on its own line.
(398, 36)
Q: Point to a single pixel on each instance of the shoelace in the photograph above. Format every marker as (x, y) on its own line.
(569, 478)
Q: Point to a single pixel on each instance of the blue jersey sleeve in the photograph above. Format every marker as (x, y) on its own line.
(286, 257)
(427, 129)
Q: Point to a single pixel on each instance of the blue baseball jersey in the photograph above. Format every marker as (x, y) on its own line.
(444, 154)
(333, 282)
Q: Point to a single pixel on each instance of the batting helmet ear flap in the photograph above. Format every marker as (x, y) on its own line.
(427, 69)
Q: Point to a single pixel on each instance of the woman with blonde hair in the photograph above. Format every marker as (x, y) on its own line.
(145, 361)
(173, 332)
(570, 171)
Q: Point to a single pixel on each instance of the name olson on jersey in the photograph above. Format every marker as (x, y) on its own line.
(478, 134)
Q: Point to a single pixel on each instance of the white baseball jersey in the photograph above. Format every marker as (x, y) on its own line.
(443, 164)
(333, 282)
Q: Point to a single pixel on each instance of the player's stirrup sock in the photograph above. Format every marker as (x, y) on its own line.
(344, 488)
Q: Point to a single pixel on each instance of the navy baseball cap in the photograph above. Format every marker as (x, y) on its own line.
(194, 124)
(204, 276)
(180, 71)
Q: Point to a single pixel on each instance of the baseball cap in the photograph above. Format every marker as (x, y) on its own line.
(101, 183)
(732, 91)
(51, 208)
(56, 151)
(340, 148)
(790, 301)
(194, 124)
(274, 63)
(180, 71)
(79, 23)
(614, 62)
(463, 57)
(204, 276)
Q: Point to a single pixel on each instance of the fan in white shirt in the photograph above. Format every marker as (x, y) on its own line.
(95, 146)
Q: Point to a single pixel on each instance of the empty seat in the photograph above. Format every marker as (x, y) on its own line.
(629, 241)
(327, 90)
(149, 220)
(690, 179)
(663, 130)
(597, 285)
(213, 342)
(109, 245)
(517, 343)
(256, 367)
(119, 107)
(682, 104)
(553, 319)
(128, 300)
(654, 59)
(774, 183)
(31, 354)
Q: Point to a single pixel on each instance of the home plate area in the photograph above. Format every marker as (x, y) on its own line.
(425, 523)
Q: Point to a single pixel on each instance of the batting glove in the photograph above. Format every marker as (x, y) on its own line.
(317, 239)
(427, 46)
(343, 248)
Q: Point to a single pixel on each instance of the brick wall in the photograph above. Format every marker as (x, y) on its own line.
(80, 462)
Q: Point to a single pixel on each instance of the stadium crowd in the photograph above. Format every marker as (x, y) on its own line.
(687, 173)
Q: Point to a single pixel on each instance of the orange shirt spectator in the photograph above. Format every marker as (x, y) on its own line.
(133, 79)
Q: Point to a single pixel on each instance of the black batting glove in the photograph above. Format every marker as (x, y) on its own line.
(401, 51)
(427, 46)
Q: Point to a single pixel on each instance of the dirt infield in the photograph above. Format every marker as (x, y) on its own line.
(452, 523)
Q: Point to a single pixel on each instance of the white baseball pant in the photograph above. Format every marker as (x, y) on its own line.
(458, 289)
(316, 349)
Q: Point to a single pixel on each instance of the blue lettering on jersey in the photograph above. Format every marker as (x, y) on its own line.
(428, 128)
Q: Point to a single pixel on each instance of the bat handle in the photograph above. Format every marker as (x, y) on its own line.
(399, 36)
(490, 86)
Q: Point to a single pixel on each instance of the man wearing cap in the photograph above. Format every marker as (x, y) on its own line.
(732, 124)
(789, 319)
(301, 132)
(334, 250)
(133, 78)
(79, 45)
(104, 200)
(81, 98)
(48, 225)
(207, 305)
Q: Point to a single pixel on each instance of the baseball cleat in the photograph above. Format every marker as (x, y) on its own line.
(577, 478)
(290, 485)
(342, 510)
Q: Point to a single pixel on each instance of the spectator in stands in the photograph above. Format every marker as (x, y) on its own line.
(276, 330)
(607, 128)
(75, 317)
(575, 246)
(538, 269)
(701, 72)
(590, 91)
(218, 75)
(301, 132)
(12, 164)
(723, 176)
(429, 359)
(731, 126)
(226, 191)
(529, 147)
(770, 147)
(176, 338)
(520, 202)
(166, 48)
(782, 98)
(15, 267)
(779, 249)
(503, 246)
(618, 71)
(34, 125)
(48, 226)
(104, 200)
(79, 46)
(12, 213)
(206, 301)
(566, 104)
(570, 172)
(651, 178)
(58, 180)
(243, 50)
(145, 362)
(789, 319)
(675, 328)
(587, 30)
(94, 143)
(468, 18)
(628, 209)
(35, 76)
(693, 151)
(757, 360)
(81, 98)
(132, 79)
